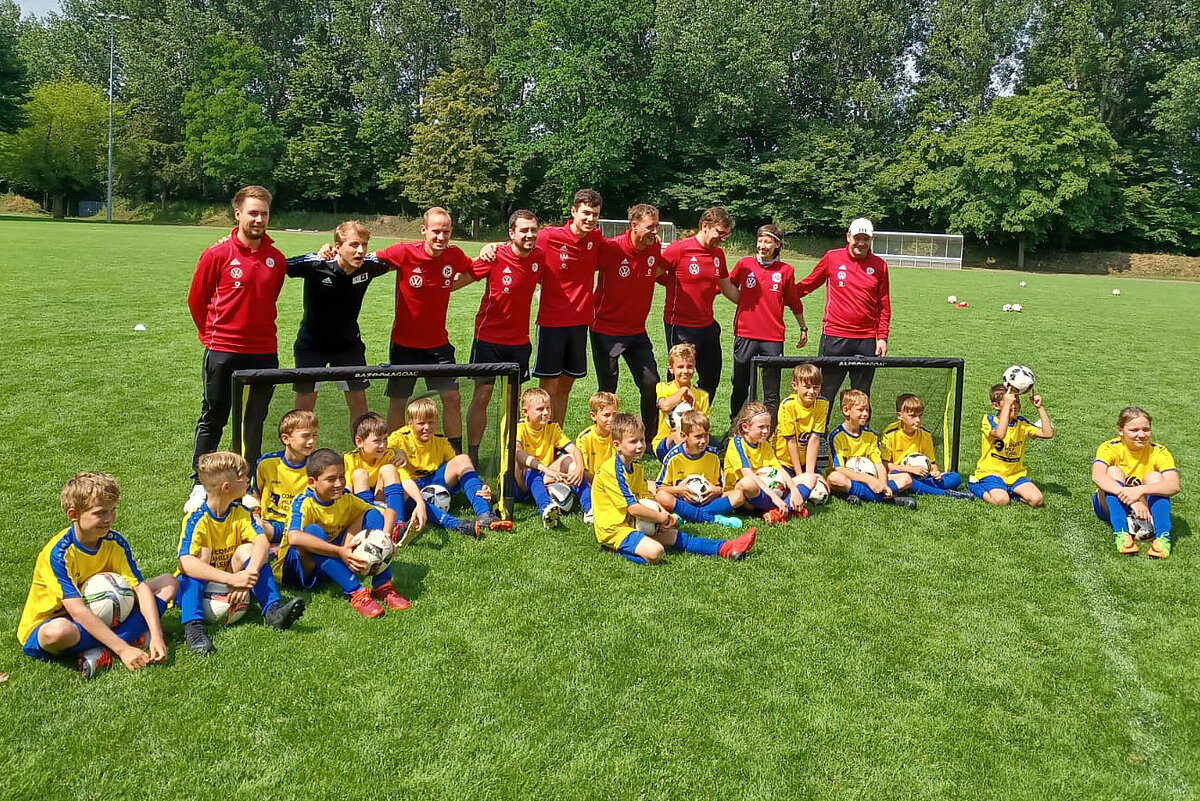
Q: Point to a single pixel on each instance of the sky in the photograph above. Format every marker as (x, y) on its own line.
(38, 7)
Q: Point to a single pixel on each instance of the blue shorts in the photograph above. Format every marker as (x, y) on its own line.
(31, 647)
(436, 477)
(628, 546)
(988, 483)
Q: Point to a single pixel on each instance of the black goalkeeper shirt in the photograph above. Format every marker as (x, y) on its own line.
(332, 299)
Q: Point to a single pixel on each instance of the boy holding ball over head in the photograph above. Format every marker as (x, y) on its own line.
(1000, 473)
(57, 623)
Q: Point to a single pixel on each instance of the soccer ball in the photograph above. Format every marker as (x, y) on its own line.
(1019, 377)
(697, 484)
(109, 596)
(1008, 307)
(437, 495)
(1016, 307)
(820, 491)
(563, 495)
(774, 478)
(861, 464)
(676, 414)
(217, 608)
(645, 526)
(1140, 529)
(915, 460)
(374, 548)
(952, 299)
(1021, 284)
(1116, 292)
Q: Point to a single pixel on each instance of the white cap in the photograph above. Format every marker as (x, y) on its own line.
(862, 226)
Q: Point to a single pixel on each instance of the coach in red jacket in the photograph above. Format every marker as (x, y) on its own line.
(858, 310)
(232, 300)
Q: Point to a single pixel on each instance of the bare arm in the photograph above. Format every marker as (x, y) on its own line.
(729, 290)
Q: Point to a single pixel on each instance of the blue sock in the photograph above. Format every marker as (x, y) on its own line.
(443, 519)
(373, 520)
(719, 506)
(804, 491)
(861, 490)
(536, 483)
(1160, 513)
(367, 495)
(584, 491)
(693, 544)
(1117, 512)
(926, 486)
(761, 502)
(383, 577)
(691, 512)
(393, 496)
(949, 481)
(191, 598)
(266, 592)
(332, 567)
(471, 485)
(893, 487)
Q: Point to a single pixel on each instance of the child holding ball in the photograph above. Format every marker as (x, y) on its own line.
(1000, 473)
(1135, 478)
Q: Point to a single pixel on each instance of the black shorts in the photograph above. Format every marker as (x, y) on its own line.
(309, 355)
(561, 350)
(402, 387)
(485, 352)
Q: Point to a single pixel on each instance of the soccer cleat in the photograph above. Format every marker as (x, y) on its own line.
(775, 516)
(490, 522)
(853, 500)
(1125, 542)
(364, 604)
(550, 516)
(410, 534)
(960, 495)
(198, 641)
(398, 531)
(94, 660)
(386, 594)
(471, 528)
(804, 512)
(1160, 548)
(196, 499)
(283, 615)
(903, 501)
(735, 550)
(727, 521)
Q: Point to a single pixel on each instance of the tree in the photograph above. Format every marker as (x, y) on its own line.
(455, 158)
(61, 148)
(1033, 164)
(14, 83)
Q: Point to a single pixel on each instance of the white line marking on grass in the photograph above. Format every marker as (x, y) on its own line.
(1145, 723)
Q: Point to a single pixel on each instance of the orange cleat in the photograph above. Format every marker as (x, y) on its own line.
(364, 604)
(386, 594)
(775, 516)
(735, 550)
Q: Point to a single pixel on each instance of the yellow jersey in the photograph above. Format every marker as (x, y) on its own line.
(333, 518)
(1004, 458)
(596, 448)
(680, 464)
(355, 460)
(894, 445)
(666, 389)
(542, 444)
(220, 535)
(741, 454)
(276, 484)
(799, 421)
(63, 566)
(424, 458)
(844, 446)
(1135, 466)
(615, 487)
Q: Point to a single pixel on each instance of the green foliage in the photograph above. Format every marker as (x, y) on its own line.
(14, 81)
(227, 131)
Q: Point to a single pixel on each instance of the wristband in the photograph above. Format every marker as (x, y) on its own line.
(804, 328)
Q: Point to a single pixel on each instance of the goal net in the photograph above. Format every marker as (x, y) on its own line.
(936, 381)
(497, 450)
(910, 249)
(611, 228)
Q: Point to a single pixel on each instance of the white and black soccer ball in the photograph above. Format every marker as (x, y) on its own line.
(1140, 529)
(109, 596)
(915, 459)
(373, 548)
(645, 526)
(217, 606)
(952, 299)
(437, 495)
(820, 491)
(563, 495)
(676, 414)
(861, 464)
(1019, 377)
(697, 484)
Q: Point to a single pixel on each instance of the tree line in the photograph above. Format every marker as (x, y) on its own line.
(1067, 122)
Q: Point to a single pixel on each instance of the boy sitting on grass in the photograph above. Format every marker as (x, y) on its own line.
(595, 442)
(57, 623)
(431, 459)
(694, 457)
(280, 477)
(372, 468)
(221, 542)
(681, 360)
(317, 543)
(620, 488)
(542, 451)
(907, 447)
(803, 416)
(1001, 473)
(853, 440)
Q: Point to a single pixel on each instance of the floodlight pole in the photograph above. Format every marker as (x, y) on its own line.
(112, 20)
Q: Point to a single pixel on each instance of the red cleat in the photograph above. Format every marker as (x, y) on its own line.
(386, 594)
(364, 604)
(398, 531)
(735, 550)
(775, 516)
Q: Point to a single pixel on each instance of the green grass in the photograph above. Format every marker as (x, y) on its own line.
(953, 652)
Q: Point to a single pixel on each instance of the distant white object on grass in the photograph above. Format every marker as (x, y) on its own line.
(1021, 284)
(139, 327)
(1116, 292)
(952, 299)
(1007, 307)
(1016, 307)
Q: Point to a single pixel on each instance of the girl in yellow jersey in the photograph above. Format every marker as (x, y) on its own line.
(749, 450)
(1135, 478)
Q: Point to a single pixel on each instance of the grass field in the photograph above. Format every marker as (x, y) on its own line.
(953, 652)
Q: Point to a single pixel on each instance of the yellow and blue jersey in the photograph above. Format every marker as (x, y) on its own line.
(1004, 458)
(741, 454)
(680, 464)
(596, 448)
(615, 487)
(1135, 465)
(799, 421)
(333, 517)
(894, 445)
(220, 535)
(542, 444)
(276, 483)
(665, 389)
(356, 460)
(423, 458)
(844, 446)
(63, 566)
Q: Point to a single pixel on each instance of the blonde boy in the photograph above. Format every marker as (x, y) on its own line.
(56, 622)
(681, 360)
(905, 437)
(221, 541)
(803, 417)
(620, 489)
(372, 468)
(595, 442)
(280, 477)
(542, 453)
(1001, 472)
(694, 457)
(851, 440)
